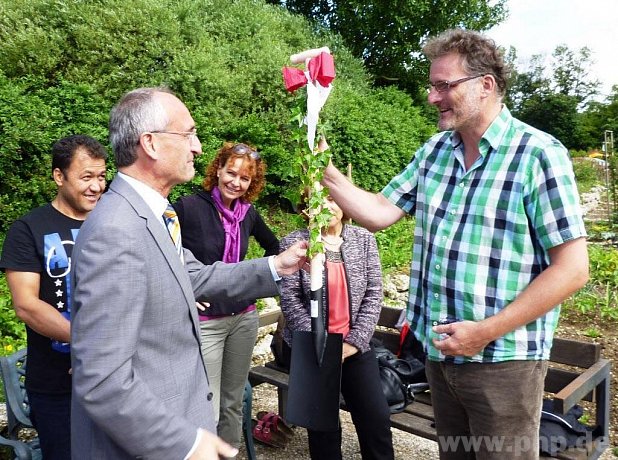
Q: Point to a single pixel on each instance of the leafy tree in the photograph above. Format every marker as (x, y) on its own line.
(598, 119)
(523, 85)
(555, 114)
(571, 73)
(388, 35)
(601, 117)
(567, 73)
(553, 99)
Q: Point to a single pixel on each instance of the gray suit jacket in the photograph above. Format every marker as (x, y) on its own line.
(139, 383)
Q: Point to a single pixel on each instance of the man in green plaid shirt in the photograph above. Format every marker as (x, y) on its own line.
(499, 243)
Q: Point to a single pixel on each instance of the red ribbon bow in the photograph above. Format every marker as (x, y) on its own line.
(321, 68)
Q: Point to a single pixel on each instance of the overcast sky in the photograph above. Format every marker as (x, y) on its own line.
(538, 26)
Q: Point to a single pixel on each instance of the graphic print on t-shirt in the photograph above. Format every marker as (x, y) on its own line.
(58, 267)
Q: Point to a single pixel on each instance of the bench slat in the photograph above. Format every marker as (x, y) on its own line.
(412, 424)
(389, 339)
(389, 316)
(419, 409)
(574, 454)
(424, 398)
(575, 353)
(270, 317)
(263, 374)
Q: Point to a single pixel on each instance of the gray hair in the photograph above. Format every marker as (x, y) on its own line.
(480, 54)
(137, 112)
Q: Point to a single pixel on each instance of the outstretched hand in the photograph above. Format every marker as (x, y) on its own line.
(292, 259)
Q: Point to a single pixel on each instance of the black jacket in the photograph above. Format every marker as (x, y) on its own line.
(203, 234)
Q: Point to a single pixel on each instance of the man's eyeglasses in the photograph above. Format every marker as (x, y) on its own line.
(445, 85)
(191, 135)
(244, 149)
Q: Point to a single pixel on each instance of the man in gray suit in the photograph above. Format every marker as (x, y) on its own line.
(140, 388)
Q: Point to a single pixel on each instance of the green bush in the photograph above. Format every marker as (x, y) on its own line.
(600, 295)
(64, 65)
(30, 123)
(368, 133)
(395, 245)
(280, 222)
(586, 174)
(578, 153)
(12, 330)
(603, 265)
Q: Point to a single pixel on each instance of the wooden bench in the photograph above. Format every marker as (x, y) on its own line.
(576, 373)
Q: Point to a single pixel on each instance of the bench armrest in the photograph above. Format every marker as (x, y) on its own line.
(21, 450)
(12, 368)
(585, 383)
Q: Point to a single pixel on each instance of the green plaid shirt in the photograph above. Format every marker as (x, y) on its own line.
(482, 235)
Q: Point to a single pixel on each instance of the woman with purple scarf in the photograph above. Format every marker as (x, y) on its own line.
(216, 224)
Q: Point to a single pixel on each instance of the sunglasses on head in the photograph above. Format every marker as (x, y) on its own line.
(244, 149)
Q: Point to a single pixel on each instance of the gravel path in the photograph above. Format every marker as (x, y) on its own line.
(406, 445)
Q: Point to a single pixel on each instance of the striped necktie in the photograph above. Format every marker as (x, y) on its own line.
(173, 227)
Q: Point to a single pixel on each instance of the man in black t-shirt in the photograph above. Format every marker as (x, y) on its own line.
(37, 260)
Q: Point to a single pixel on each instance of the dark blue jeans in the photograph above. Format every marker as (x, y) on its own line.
(51, 416)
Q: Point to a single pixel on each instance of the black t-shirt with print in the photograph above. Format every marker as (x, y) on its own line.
(42, 242)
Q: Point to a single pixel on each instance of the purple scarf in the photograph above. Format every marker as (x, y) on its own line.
(231, 219)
